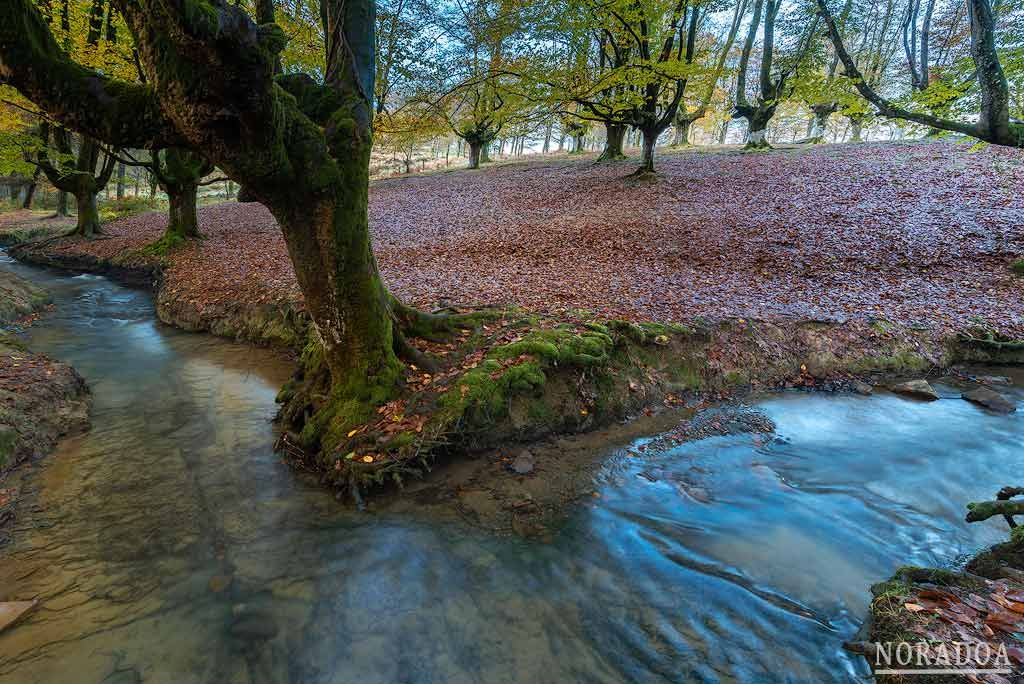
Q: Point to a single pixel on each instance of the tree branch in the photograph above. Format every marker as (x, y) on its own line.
(884, 106)
(124, 114)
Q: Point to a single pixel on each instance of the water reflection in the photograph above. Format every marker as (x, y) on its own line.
(170, 545)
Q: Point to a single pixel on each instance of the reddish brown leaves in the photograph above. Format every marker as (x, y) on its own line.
(913, 233)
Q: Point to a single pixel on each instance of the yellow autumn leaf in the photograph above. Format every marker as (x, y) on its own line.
(352, 433)
(367, 459)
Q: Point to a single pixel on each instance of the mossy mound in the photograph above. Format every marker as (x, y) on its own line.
(514, 378)
(517, 378)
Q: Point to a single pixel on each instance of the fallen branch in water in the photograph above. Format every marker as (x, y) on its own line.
(983, 510)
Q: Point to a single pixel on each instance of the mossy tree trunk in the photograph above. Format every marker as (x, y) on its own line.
(74, 171)
(615, 138)
(211, 86)
(182, 221)
(856, 128)
(88, 224)
(475, 150)
(179, 172)
(30, 191)
(819, 122)
(650, 141)
(757, 125)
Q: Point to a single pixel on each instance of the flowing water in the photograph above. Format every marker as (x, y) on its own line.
(170, 545)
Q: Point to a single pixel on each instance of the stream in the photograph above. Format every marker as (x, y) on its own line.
(169, 544)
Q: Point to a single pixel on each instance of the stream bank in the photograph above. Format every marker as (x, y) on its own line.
(41, 400)
(525, 376)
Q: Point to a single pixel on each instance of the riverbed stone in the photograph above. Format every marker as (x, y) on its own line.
(13, 611)
(989, 399)
(994, 380)
(862, 388)
(523, 463)
(918, 389)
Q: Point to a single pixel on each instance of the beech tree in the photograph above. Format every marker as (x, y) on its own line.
(476, 69)
(774, 75)
(994, 124)
(78, 166)
(300, 146)
(180, 172)
(644, 54)
(687, 116)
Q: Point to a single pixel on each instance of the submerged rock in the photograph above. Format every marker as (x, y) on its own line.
(993, 401)
(254, 626)
(919, 389)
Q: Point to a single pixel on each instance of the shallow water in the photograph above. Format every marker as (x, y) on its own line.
(734, 559)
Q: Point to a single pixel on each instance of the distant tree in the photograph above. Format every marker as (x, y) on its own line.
(994, 124)
(77, 165)
(718, 54)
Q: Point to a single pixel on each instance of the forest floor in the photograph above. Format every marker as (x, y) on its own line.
(918, 234)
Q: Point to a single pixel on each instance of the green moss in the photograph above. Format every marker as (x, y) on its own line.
(1017, 267)
(628, 329)
(736, 377)
(561, 346)
(159, 249)
(123, 208)
(881, 326)
(400, 441)
(483, 393)
(902, 360)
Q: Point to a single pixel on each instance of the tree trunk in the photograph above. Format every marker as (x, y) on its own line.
(614, 140)
(757, 129)
(856, 130)
(650, 140)
(62, 203)
(547, 138)
(475, 151)
(182, 220)
(88, 215)
(819, 122)
(485, 152)
(682, 133)
(120, 181)
(30, 191)
(577, 143)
